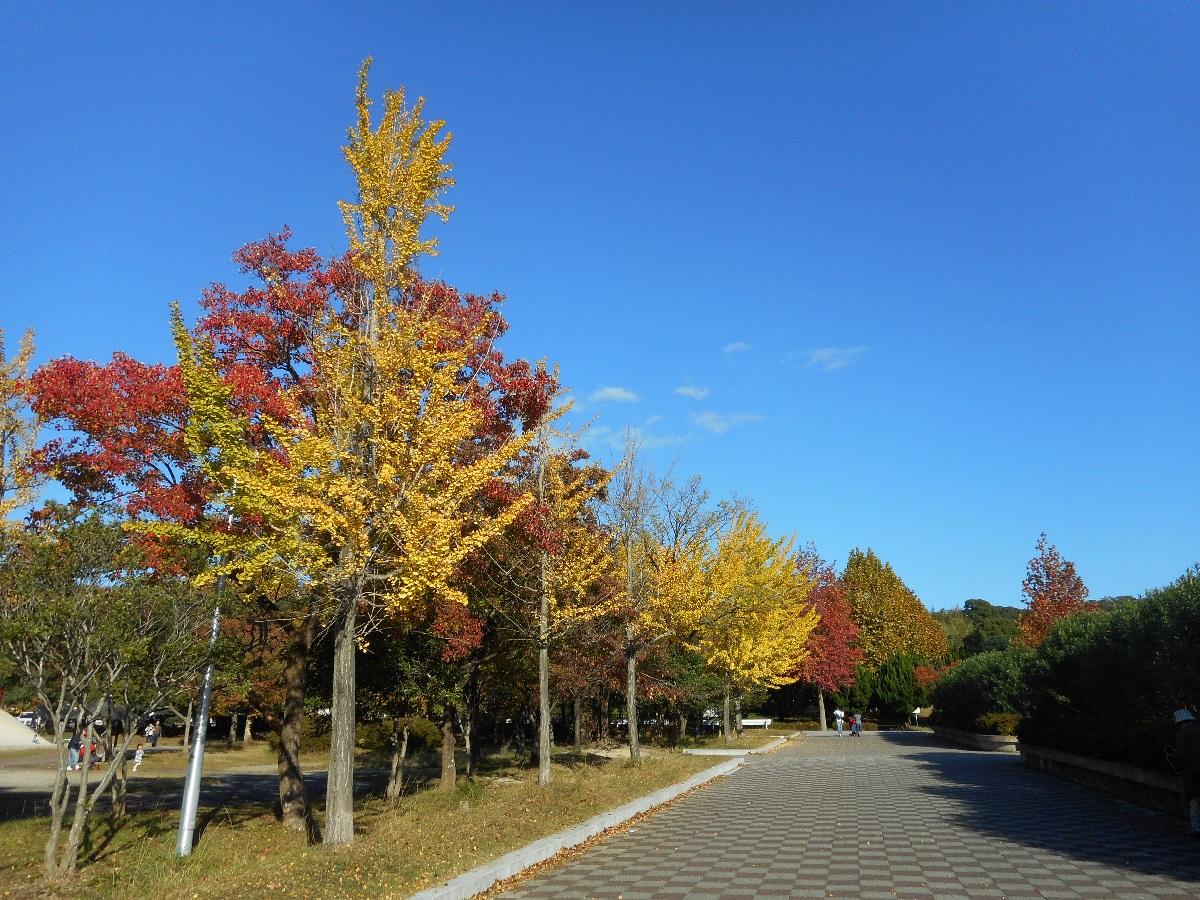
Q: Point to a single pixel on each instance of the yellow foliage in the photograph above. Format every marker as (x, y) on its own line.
(18, 430)
(582, 558)
(372, 485)
(401, 175)
(381, 486)
(756, 621)
(891, 619)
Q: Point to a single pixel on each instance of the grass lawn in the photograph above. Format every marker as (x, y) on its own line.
(427, 838)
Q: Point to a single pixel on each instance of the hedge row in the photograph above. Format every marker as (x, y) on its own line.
(1106, 684)
(1103, 684)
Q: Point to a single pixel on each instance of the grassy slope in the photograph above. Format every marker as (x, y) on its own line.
(427, 838)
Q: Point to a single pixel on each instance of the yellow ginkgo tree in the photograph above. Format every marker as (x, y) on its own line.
(554, 567)
(756, 621)
(369, 491)
(18, 429)
(660, 529)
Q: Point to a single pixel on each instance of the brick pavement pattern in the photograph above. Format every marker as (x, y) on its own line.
(886, 816)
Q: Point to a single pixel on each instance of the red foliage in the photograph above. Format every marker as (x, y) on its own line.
(459, 628)
(927, 676)
(1052, 591)
(833, 654)
(125, 420)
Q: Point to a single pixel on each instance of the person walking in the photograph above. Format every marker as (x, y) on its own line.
(73, 747)
(856, 725)
(1185, 757)
(139, 755)
(839, 719)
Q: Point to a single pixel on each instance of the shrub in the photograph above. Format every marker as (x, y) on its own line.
(374, 736)
(987, 684)
(1104, 683)
(998, 723)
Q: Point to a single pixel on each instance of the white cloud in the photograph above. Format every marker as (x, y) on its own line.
(653, 420)
(690, 390)
(613, 395)
(719, 423)
(653, 441)
(736, 347)
(601, 439)
(828, 359)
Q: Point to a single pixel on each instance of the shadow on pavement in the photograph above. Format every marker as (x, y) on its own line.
(995, 795)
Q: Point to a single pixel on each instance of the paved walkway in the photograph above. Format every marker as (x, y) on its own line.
(891, 815)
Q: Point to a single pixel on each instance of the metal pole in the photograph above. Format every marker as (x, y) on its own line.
(191, 786)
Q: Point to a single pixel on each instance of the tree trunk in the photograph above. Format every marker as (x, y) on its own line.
(339, 797)
(577, 706)
(232, 736)
(681, 730)
(470, 737)
(821, 708)
(395, 785)
(60, 799)
(246, 731)
(543, 698)
(603, 720)
(187, 727)
(293, 796)
(725, 727)
(737, 709)
(631, 710)
(118, 789)
(85, 803)
(449, 773)
(466, 724)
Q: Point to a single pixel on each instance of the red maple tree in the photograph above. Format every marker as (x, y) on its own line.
(1052, 591)
(833, 649)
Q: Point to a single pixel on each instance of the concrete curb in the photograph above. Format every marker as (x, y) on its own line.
(513, 863)
(994, 743)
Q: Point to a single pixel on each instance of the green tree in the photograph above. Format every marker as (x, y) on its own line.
(992, 627)
(94, 633)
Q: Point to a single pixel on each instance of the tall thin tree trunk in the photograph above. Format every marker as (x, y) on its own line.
(470, 733)
(293, 796)
(395, 785)
(577, 709)
(821, 708)
(737, 710)
(543, 683)
(635, 748)
(232, 735)
(631, 706)
(543, 636)
(339, 797)
(449, 773)
(681, 729)
(187, 726)
(246, 731)
(118, 786)
(725, 726)
(604, 717)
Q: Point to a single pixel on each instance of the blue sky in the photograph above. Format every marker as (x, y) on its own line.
(920, 279)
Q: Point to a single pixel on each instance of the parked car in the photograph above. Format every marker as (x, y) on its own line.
(31, 718)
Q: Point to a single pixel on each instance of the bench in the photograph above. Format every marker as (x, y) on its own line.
(757, 723)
